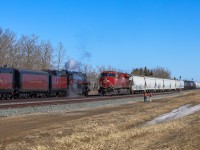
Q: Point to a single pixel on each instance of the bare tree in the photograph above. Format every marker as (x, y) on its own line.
(26, 53)
(7, 51)
(46, 55)
(161, 73)
(29, 52)
(60, 54)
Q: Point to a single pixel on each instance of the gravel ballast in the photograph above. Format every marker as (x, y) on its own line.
(75, 106)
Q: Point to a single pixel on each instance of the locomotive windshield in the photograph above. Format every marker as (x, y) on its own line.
(108, 75)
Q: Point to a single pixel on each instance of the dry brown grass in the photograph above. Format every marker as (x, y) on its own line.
(122, 129)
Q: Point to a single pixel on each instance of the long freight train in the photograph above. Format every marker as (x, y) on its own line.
(111, 82)
(16, 83)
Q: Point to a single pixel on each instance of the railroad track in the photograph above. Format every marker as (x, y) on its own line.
(20, 103)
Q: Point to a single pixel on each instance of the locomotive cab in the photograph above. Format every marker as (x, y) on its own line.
(107, 79)
(78, 84)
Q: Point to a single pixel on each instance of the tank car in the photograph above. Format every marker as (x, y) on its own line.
(186, 85)
(111, 82)
(193, 85)
(189, 85)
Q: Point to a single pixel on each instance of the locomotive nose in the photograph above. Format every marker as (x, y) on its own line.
(105, 80)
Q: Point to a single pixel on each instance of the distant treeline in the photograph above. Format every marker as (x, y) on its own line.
(159, 72)
(28, 52)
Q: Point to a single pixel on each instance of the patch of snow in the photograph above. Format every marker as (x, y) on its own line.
(175, 114)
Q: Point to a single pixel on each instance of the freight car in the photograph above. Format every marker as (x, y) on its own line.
(179, 85)
(173, 85)
(152, 84)
(189, 85)
(167, 84)
(111, 82)
(159, 85)
(137, 84)
(197, 84)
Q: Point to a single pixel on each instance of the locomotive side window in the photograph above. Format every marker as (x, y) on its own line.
(77, 77)
(127, 76)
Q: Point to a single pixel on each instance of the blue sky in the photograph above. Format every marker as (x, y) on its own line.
(121, 33)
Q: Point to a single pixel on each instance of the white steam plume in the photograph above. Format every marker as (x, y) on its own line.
(73, 65)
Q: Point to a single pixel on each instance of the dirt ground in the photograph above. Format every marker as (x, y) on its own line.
(110, 128)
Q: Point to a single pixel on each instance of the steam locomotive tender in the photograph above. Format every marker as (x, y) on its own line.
(29, 83)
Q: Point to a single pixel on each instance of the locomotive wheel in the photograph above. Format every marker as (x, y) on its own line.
(86, 93)
(102, 93)
(131, 92)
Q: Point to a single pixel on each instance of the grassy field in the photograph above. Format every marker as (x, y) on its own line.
(114, 128)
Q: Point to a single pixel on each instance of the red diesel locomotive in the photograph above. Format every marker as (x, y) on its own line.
(111, 82)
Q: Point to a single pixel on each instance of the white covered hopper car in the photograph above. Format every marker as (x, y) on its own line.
(144, 83)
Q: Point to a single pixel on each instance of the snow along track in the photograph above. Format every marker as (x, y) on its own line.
(175, 114)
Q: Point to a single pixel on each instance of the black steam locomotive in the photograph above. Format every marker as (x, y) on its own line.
(15, 83)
